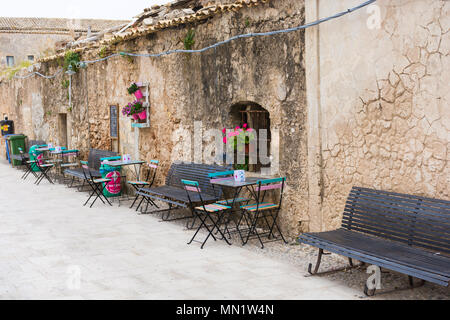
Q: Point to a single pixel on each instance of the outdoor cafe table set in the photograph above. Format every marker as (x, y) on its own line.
(250, 213)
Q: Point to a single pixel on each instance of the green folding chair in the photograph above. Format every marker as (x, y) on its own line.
(264, 211)
(204, 212)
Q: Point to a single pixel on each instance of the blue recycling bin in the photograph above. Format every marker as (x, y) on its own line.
(8, 149)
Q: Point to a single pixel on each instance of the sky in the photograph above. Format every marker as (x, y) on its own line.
(90, 9)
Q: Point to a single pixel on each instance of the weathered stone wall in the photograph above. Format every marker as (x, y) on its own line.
(378, 102)
(354, 105)
(183, 89)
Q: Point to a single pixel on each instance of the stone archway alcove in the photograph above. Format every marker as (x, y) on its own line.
(257, 118)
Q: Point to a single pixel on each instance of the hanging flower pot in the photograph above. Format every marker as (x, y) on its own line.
(135, 109)
(133, 88)
(143, 115)
(138, 94)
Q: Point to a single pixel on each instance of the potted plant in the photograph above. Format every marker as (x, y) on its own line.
(138, 111)
(126, 111)
(134, 89)
(243, 136)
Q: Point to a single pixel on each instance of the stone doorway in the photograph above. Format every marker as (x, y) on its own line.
(257, 118)
(62, 130)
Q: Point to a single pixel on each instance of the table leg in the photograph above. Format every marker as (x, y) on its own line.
(137, 170)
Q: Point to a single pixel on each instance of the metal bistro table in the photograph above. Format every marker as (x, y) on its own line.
(135, 163)
(59, 162)
(137, 169)
(248, 184)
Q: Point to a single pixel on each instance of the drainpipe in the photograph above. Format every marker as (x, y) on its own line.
(313, 93)
(87, 108)
(70, 72)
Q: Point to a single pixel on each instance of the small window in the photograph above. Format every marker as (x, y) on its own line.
(257, 118)
(30, 57)
(10, 61)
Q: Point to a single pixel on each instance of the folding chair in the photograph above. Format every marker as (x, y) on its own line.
(28, 166)
(204, 212)
(261, 210)
(236, 200)
(69, 159)
(44, 169)
(152, 168)
(97, 185)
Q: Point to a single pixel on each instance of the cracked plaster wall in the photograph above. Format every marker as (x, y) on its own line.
(383, 96)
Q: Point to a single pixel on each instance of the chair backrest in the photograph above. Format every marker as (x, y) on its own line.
(195, 172)
(70, 153)
(95, 155)
(276, 184)
(86, 170)
(192, 187)
(413, 220)
(151, 173)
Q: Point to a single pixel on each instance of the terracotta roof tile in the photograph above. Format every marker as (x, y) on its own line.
(55, 24)
(159, 20)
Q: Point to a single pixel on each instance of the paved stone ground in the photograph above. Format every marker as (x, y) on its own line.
(48, 241)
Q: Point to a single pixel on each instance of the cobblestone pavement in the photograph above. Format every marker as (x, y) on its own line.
(51, 247)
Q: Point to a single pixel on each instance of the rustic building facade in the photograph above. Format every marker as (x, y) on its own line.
(28, 39)
(355, 101)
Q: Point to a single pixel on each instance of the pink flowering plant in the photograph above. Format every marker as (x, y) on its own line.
(126, 111)
(132, 108)
(137, 107)
(244, 135)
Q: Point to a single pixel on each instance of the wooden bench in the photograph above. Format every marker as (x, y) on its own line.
(94, 163)
(399, 232)
(173, 192)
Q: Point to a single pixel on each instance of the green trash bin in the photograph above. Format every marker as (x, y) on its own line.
(16, 142)
(114, 187)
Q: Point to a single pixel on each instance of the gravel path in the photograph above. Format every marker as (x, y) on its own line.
(394, 286)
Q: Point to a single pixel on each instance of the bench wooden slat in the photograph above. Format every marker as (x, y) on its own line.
(403, 218)
(425, 241)
(397, 206)
(401, 195)
(422, 222)
(407, 200)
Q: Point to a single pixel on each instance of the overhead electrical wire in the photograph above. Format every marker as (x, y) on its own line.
(215, 45)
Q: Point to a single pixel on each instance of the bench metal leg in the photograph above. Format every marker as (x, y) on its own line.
(319, 259)
(371, 293)
(368, 292)
(411, 282)
(71, 184)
